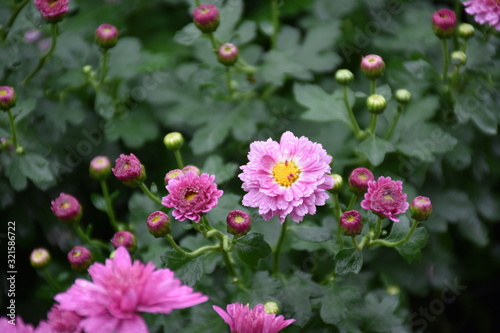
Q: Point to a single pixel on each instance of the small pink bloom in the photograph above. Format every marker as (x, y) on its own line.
(67, 208)
(120, 290)
(227, 54)
(39, 257)
(52, 10)
(385, 198)
(191, 196)
(193, 168)
(372, 66)
(351, 223)
(238, 223)
(206, 18)
(124, 238)
(173, 174)
(484, 12)
(242, 319)
(63, 321)
(444, 23)
(7, 98)
(129, 170)
(421, 208)
(100, 167)
(358, 180)
(286, 178)
(158, 224)
(80, 258)
(106, 36)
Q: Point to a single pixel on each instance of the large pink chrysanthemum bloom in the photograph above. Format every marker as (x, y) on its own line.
(121, 290)
(191, 195)
(484, 11)
(242, 319)
(52, 10)
(286, 178)
(385, 198)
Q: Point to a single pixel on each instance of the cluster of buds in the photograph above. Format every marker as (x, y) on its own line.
(175, 173)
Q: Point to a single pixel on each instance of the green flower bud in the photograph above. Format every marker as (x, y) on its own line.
(338, 182)
(465, 30)
(376, 104)
(271, 308)
(403, 96)
(344, 76)
(458, 58)
(39, 258)
(173, 141)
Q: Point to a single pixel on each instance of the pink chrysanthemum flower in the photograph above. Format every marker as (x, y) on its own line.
(121, 290)
(385, 198)
(191, 195)
(286, 178)
(484, 11)
(129, 170)
(52, 10)
(242, 319)
(66, 208)
(63, 321)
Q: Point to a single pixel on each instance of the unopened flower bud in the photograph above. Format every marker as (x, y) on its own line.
(271, 308)
(129, 170)
(465, 30)
(106, 36)
(173, 141)
(80, 258)
(158, 224)
(100, 167)
(338, 182)
(87, 69)
(421, 208)
(376, 103)
(403, 96)
(66, 208)
(52, 10)
(206, 18)
(372, 66)
(172, 174)
(192, 168)
(7, 98)
(124, 238)
(238, 223)
(358, 180)
(227, 54)
(351, 223)
(344, 76)
(444, 23)
(458, 58)
(39, 258)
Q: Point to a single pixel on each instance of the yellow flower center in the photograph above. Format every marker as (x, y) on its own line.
(3, 92)
(239, 219)
(286, 173)
(388, 197)
(65, 205)
(362, 176)
(190, 195)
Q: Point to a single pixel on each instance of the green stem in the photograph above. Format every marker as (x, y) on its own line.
(353, 200)
(384, 242)
(228, 79)
(192, 254)
(43, 59)
(149, 194)
(197, 2)
(373, 86)
(338, 213)
(244, 66)
(394, 122)
(109, 206)
(87, 239)
(350, 113)
(12, 129)
(278, 247)
(178, 158)
(215, 47)
(355, 243)
(373, 123)
(378, 228)
(12, 18)
(104, 69)
(229, 264)
(446, 57)
(51, 280)
(276, 23)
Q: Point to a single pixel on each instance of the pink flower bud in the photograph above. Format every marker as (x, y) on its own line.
(421, 208)
(206, 18)
(100, 167)
(7, 98)
(238, 223)
(227, 54)
(158, 224)
(372, 66)
(129, 170)
(172, 174)
(358, 180)
(39, 258)
(67, 208)
(106, 36)
(124, 238)
(80, 258)
(351, 223)
(52, 10)
(444, 23)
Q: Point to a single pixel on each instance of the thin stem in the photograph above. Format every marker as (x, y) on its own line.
(350, 113)
(178, 158)
(197, 2)
(384, 242)
(12, 18)
(104, 69)
(87, 239)
(446, 58)
(192, 254)
(149, 194)
(213, 41)
(12, 129)
(378, 228)
(276, 23)
(109, 206)
(373, 123)
(338, 212)
(394, 122)
(355, 243)
(353, 200)
(44, 58)
(51, 280)
(228, 79)
(278, 248)
(373, 86)
(229, 264)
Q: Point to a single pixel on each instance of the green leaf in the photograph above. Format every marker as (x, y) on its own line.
(320, 105)
(473, 229)
(251, 248)
(313, 234)
(134, 128)
(411, 250)
(17, 179)
(348, 261)
(36, 168)
(189, 270)
(99, 202)
(104, 105)
(375, 148)
(214, 165)
(338, 303)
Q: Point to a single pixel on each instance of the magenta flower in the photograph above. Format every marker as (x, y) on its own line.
(484, 11)
(7, 98)
(129, 170)
(242, 319)
(63, 320)
(238, 223)
(372, 66)
(124, 238)
(444, 23)
(158, 224)
(52, 10)
(351, 223)
(191, 195)
(286, 178)
(173, 174)
(385, 198)
(206, 18)
(421, 208)
(80, 258)
(121, 290)
(227, 54)
(100, 167)
(358, 180)
(7, 325)
(66, 208)
(106, 36)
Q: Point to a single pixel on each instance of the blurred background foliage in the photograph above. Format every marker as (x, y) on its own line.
(164, 77)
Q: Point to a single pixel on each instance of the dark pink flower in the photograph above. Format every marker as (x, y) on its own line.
(286, 178)
(242, 319)
(106, 36)
(206, 18)
(67, 208)
(421, 208)
(80, 258)
(52, 10)
(385, 198)
(129, 170)
(444, 23)
(158, 224)
(358, 180)
(484, 11)
(372, 66)
(238, 223)
(120, 290)
(63, 321)
(191, 196)
(227, 54)
(351, 223)
(7, 98)
(124, 238)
